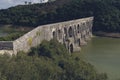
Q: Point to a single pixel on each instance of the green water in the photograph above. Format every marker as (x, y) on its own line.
(104, 54)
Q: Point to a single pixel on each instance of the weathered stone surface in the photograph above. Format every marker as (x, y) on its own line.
(72, 33)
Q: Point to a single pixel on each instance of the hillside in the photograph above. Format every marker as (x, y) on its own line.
(106, 13)
(49, 61)
(30, 15)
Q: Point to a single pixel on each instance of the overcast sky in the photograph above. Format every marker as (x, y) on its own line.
(8, 3)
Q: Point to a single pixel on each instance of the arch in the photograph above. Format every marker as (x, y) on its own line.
(71, 48)
(54, 34)
(84, 24)
(78, 28)
(59, 34)
(70, 31)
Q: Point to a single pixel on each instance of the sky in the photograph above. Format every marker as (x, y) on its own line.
(8, 3)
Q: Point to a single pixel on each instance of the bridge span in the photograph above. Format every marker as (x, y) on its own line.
(73, 34)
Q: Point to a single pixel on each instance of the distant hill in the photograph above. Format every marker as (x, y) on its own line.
(31, 15)
(106, 13)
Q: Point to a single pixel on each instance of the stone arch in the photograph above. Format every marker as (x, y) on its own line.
(78, 28)
(54, 34)
(70, 31)
(59, 34)
(84, 23)
(71, 48)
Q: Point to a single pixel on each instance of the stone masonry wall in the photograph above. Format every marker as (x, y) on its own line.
(6, 47)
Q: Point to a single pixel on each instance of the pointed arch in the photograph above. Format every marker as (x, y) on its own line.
(70, 31)
(54, 34)
(59, 34)
(78, 28)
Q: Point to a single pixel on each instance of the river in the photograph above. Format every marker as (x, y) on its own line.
(104, 54)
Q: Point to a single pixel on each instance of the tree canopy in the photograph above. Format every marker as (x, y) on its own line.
(105, 12)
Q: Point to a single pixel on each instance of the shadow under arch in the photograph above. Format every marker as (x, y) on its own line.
(70, 31)
(78, 28)
(59, 34)
(54, 35)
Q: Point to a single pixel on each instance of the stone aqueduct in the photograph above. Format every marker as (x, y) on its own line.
(72, 33)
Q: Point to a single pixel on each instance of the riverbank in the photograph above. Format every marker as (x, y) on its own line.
(105, 34)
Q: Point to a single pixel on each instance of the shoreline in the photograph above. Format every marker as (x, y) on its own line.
(106, 34)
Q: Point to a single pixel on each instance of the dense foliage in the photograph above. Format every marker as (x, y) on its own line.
(49, 61)
(12, 36)
(106, 13)
(10, 33)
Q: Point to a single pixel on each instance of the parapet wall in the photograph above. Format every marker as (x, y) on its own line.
(76, 31)
(6, 47)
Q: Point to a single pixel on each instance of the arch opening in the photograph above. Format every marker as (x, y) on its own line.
(54, 35)
(59, 34)
(78, 28)
(70, 32)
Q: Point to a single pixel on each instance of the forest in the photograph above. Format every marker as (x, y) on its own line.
(48, 61)
(106, 13)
